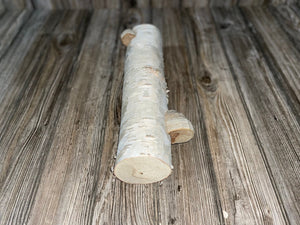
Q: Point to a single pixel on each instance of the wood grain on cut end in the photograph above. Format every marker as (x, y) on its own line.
(142, 170)
(181, 136)
(178, 127)
(126, 36)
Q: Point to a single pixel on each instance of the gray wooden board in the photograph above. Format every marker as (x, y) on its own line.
(244, 184)
(273, 123)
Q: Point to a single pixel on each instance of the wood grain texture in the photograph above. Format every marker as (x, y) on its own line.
(244, 184)
(280, 53)
(76, 159)
(120, 4)
(232, 72)
(31, 116)
(12, 23)
(273, 123)
(192, 159)
(289, 22)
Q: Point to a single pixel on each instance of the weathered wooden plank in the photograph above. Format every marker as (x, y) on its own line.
(247, 194)
(2, 8)
(295, 6)
(289, 22)
(11, 136)
(112, 4)
(67, 189)
(273, 124)
(13, 65)
(14, 57)
(30, 117)
(165, 3)
(17, 4)
(190, 194)
(54, 4)
(93, 4)
(192, 3)
(281, 55)
(10, 26)
(281, 2)
(249, 2)
(223, 3)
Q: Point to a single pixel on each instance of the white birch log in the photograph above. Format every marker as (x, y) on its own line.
(144, 150)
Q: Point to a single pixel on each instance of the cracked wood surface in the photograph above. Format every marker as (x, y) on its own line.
(233, 73)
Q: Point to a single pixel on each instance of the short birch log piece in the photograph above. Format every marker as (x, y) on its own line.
(178, 127)
(126, 36)
(144, 150)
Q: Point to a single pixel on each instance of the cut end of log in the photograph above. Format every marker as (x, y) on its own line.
(181, 136)
(178, 127)
(142, 170)
(126, 36)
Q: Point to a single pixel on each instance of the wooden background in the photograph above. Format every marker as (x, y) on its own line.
(233, 72)
(98, 4)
